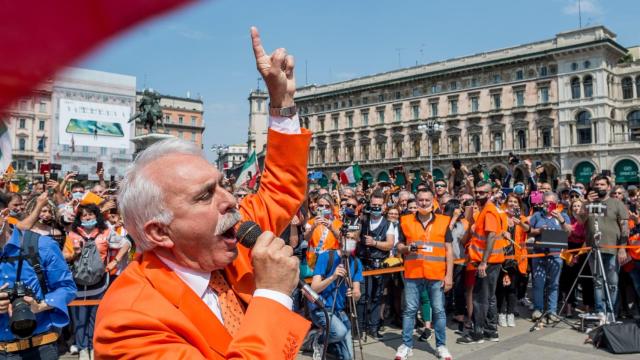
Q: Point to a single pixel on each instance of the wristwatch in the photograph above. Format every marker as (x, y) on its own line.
(283, 112)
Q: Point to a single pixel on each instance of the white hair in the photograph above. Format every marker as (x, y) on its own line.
(140, 199)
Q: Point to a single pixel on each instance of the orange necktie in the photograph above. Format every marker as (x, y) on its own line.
(232, 310)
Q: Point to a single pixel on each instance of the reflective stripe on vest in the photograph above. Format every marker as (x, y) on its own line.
(429, 261)
(478, 241)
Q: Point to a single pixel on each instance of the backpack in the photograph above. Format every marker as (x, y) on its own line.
(29, 252)
(89, 269)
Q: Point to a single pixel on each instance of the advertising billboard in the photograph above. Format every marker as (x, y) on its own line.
(93, 124)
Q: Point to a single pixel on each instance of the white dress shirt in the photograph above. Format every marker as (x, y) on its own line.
(199, 282)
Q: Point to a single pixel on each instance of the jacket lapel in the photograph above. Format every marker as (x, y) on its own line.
(182, 297)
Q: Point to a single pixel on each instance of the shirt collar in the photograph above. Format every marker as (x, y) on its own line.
(198, 281)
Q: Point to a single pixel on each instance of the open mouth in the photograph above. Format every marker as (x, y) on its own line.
(230, 233)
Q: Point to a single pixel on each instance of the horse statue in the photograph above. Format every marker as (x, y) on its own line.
(149, 111)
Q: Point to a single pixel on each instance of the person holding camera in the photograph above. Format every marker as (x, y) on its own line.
(612, 222)
(336, 285)
(546, 270)
(35, 289)
(428, 265)
(323, 231)
(376, 241)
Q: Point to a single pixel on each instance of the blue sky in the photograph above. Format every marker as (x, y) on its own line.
(205, 49)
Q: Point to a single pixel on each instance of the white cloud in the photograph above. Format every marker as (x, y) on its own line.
(585, 6)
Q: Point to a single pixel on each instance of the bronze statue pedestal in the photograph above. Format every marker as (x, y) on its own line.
(144, 141)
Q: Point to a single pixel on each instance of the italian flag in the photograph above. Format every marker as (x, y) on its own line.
(350, 175)
(250, 171)
(5, 149)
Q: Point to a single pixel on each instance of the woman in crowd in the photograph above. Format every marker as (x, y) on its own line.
(88, 226)
(573, 263)
(458, 227)
(516, 235)
(323, 231)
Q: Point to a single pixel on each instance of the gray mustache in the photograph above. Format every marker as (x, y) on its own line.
(227, 221)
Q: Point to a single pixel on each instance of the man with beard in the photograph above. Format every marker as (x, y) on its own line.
(376, 240)
(428, 266)
(614, 230)
(195, 293)
(486, 256)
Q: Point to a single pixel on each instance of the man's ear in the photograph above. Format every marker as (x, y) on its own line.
(158, 234)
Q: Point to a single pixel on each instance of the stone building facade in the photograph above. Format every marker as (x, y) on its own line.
(515, 99)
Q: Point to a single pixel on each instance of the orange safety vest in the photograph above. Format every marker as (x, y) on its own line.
(429, 262)
(520, 247)
(634, 241)
(478, 241)
(328, 243)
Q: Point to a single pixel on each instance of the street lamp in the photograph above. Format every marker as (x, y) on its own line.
(220, 150)
(432, 127)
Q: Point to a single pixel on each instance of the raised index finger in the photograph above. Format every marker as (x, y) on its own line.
(258, 50)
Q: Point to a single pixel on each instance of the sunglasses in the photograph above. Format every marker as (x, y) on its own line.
(574, 196)
(241, 195)
(440, 185)
(481, 192)
(352, 206)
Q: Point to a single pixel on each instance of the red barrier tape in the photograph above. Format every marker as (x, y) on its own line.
(396, 269)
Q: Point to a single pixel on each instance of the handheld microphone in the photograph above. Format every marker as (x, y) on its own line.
(247, 235)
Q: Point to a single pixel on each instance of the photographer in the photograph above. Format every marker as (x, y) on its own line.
(323, 231)
(613, 226)
(44, 294)
(330, 280)
(546, 270)
(376, 241)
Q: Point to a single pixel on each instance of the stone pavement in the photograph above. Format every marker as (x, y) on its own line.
(518, 343)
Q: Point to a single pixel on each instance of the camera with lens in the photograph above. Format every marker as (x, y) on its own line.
(23, 321)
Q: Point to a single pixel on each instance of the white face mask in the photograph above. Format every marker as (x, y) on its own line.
(350, 246)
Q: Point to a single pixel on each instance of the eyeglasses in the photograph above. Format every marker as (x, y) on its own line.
(241, 195)
(352, 206)
(440, 185)
(481, 192)
(574, 196)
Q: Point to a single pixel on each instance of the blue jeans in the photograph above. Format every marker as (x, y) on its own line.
(546, 277)
(339, 333)
(412, 290)
(42, 352)
(610, 263)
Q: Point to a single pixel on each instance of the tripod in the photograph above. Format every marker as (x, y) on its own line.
(598, 275)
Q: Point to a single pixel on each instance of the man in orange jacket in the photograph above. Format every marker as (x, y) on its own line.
(195, 293)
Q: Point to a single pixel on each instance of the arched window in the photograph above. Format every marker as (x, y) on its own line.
(475, 142)
(634, 125)
(575, 88)
(587, 82)
(497, 141)
(522, 139)
(583, 126)
(455, 144)
(627, 88)
(416, 148)
(546, 138)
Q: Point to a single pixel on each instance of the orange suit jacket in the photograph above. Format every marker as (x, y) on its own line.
(150, 313)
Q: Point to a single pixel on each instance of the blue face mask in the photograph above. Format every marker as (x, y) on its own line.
(88, 225)
(349, 211)
(376, 213)
(77, 195)
(13, 213)
(326, 212)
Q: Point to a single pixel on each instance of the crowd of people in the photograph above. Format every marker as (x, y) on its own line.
(87, 248)
(471, 255)
(463, 244)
